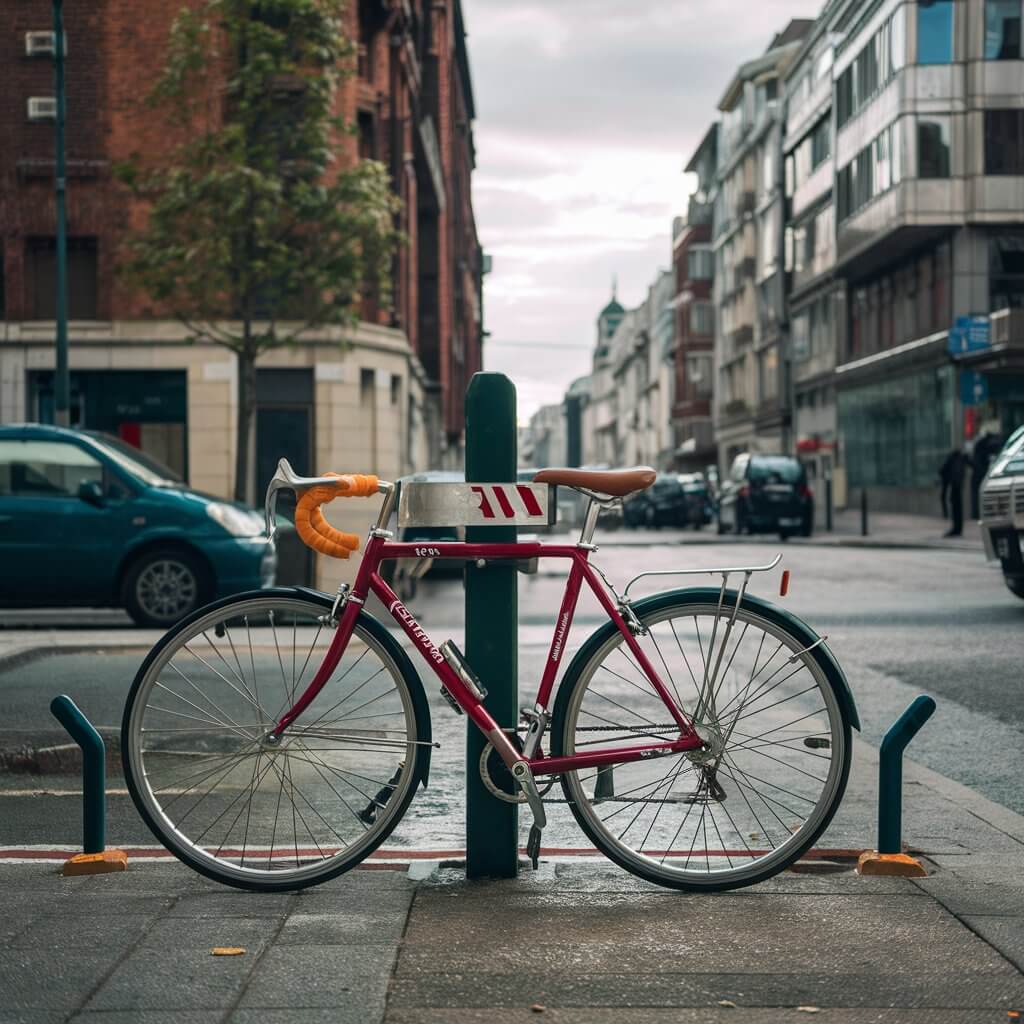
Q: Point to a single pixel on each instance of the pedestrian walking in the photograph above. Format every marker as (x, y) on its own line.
(984, 448)
(952, 475)
(944, 485)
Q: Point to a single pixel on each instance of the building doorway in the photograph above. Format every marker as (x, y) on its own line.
(284, 429)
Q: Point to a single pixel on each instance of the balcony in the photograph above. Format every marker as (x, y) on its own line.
(698, 212)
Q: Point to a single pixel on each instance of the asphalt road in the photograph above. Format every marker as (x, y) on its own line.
(901, 622)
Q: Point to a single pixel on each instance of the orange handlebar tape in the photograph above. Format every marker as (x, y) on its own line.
(314, 529)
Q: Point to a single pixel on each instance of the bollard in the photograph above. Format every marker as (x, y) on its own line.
(492, 621)
(889, 858)
(828, 503)
(863, 511)
(95, 859)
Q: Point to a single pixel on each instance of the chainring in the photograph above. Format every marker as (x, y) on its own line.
(496, 777)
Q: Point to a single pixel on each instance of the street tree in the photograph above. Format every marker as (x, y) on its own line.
(262, 223)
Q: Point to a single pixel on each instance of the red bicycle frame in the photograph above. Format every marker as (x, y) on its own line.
(379, 549)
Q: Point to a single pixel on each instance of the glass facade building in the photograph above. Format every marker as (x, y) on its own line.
(897, 431)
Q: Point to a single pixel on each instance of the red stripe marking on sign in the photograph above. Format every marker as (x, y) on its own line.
(506, 505)
(529, 499)
(485, 505)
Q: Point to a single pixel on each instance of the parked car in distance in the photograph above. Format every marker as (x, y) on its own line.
(699, 505)
(766, 494)
(665, 503)
(86, 519)
(1002, 511)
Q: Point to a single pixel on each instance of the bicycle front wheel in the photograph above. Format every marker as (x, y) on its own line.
(777, 745)
(238, 807)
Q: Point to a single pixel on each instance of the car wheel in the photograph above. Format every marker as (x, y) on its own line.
(1015, 587)
(650, 519)
(163, 586)
(806, 529)
(784, 535)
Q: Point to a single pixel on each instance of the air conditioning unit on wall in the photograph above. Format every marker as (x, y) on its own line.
(42, 108)
(41, 44)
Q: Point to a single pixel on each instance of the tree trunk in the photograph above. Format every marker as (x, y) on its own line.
(245, 448)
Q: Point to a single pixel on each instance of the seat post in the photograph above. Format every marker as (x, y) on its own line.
(589, 524)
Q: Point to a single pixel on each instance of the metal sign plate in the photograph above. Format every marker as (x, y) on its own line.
(429, 504)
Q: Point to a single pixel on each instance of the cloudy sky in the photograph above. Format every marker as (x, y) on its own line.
(587, 111)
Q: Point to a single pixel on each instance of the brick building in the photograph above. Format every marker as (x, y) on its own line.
(390, 402)
(693, 265)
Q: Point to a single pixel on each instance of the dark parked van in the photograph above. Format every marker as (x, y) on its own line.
(766, 494)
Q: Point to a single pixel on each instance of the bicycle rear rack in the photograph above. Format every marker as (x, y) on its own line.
(725, 573)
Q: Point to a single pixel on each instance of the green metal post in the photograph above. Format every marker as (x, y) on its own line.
(94, 771)
(62, 402)
(890, 771)
(492, 622)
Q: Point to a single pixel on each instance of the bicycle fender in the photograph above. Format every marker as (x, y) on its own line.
(710, 595)
(380, 633)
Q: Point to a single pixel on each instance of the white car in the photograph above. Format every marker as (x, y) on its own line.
(1002, 511)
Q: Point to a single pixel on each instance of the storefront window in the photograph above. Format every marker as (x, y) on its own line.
(896, 432)
(934, 31)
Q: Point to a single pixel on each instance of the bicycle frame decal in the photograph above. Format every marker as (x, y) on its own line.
(369, 580)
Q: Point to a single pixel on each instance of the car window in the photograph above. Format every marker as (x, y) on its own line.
(779, 470)
(1010, 461)
(141, 466)
(42, 469)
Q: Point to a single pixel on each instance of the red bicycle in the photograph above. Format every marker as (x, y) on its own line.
(274, 739)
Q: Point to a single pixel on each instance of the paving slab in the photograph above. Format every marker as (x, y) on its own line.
(353, 983)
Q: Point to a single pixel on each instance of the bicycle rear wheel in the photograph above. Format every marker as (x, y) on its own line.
(777, 730)
(244, 810)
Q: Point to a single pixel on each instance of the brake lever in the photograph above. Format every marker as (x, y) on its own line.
(287, 479)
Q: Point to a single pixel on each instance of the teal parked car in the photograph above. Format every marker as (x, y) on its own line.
(86, 519)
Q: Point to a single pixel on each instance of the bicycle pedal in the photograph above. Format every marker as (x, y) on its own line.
(533, 846)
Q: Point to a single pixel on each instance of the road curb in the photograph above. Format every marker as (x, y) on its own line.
(970, 801)
(59, 758)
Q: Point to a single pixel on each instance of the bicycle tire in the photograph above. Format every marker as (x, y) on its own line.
(735, 863)
(335, 771)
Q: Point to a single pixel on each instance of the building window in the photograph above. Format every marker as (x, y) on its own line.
(934, 31)
(800, 336)
(1006, 272)
(367, 381)
(1004, 141)
(1002, 29)
(880, 58)
(702, 318)
(700, 264)
(81, 278)
(873, 170)
(933, 147)
(396, 388)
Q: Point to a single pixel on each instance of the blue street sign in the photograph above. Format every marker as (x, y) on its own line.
(973, 387)
(969, 334)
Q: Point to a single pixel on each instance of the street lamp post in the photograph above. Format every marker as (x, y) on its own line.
(61, 386)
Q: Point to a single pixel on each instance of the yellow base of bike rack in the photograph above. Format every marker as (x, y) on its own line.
(871, 862)
(96, 863)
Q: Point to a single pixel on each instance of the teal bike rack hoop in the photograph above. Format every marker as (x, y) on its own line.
(94, 771)
(96, 858)
(890, 771)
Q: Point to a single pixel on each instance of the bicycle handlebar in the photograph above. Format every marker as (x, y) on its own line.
(310, 523)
